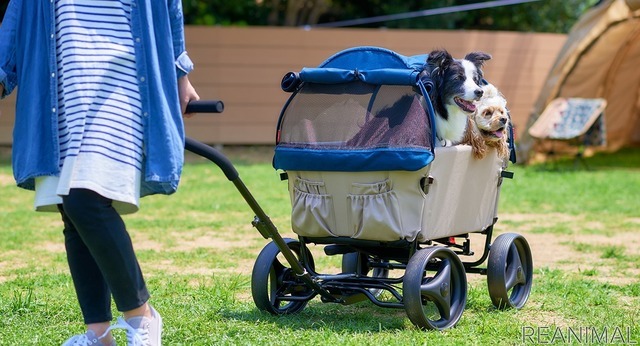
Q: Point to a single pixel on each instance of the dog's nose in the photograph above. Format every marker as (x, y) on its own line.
(503, 121)
(479, 92)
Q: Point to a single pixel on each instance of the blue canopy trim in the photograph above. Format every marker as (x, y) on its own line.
(387, 76)
(366, 160)
(425, 86)
(373, 65)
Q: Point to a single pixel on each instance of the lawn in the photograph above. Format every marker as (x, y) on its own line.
(197, 249)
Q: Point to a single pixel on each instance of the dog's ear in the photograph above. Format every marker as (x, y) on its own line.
(478, 58)
(438, 59)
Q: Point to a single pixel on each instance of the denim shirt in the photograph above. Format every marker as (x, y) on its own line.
(28, 62)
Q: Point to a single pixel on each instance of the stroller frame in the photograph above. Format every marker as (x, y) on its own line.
(433, 287)
(509, 270)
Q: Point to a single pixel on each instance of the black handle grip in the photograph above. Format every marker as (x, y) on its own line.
(205, 106)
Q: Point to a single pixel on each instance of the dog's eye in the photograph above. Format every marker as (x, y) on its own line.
(487, 113)
(459, 76)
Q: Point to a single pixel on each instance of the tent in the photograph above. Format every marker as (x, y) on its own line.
(600, 59)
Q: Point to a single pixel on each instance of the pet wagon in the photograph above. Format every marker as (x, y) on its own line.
(356, 143)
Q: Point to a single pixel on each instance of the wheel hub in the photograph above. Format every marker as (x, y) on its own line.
(444, 289)
(520, 274)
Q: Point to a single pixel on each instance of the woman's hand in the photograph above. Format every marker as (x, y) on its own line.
(186, 93)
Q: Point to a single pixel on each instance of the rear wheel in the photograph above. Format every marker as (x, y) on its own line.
(351, 261)
(509, 271)
(274, 285)
(434, 288)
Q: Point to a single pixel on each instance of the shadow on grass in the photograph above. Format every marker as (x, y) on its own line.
(358, 318)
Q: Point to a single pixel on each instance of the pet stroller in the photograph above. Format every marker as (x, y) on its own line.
(356, 143)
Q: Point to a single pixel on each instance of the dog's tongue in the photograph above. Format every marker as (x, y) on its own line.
(467, 106)
(498, 134)
(470, 106)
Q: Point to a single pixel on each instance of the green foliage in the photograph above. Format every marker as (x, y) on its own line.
(223, 12)
(539, 16)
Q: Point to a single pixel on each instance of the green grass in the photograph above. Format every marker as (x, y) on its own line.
(604, 190)
(197, 249)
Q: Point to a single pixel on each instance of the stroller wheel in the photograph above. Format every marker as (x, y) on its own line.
(509, 271)
(274, 285)
(434, 288)
(350, 265)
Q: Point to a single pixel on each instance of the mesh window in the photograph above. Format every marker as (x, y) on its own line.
(354, 127)
(355, 116)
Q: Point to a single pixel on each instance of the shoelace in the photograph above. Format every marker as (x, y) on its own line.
(82, 340)
(135, 337)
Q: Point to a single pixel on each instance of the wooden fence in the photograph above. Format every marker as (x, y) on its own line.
(244, 66)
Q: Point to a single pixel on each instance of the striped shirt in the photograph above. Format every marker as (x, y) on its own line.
(99, 111)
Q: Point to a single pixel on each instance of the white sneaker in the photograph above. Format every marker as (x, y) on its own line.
(87, 339)
(142, 331)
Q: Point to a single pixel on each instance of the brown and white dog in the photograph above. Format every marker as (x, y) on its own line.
(486, 127)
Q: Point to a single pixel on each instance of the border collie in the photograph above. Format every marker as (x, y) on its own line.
(487, 126)
(456, 87)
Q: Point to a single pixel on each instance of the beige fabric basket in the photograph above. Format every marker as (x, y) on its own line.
(392, 205)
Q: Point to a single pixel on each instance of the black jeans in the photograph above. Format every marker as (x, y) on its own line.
(100, 256)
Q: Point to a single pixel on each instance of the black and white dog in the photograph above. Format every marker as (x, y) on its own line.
(457, 85)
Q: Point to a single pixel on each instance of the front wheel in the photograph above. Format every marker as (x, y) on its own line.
(434, 288)
(274, 285)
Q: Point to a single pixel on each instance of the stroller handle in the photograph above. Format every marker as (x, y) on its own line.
(199, 148)
(205, 106)
(212, 155)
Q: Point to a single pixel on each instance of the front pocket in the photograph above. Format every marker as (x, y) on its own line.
(374, 212)
(312, 209)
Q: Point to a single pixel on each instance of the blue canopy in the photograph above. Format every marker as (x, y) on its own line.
(374, 58)
(372, 65)
(394, 132)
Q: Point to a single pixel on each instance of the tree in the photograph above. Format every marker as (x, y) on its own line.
(540, 16)
(224, 12)
(296, 12)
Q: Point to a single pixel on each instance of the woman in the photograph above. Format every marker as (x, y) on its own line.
(102, 88)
